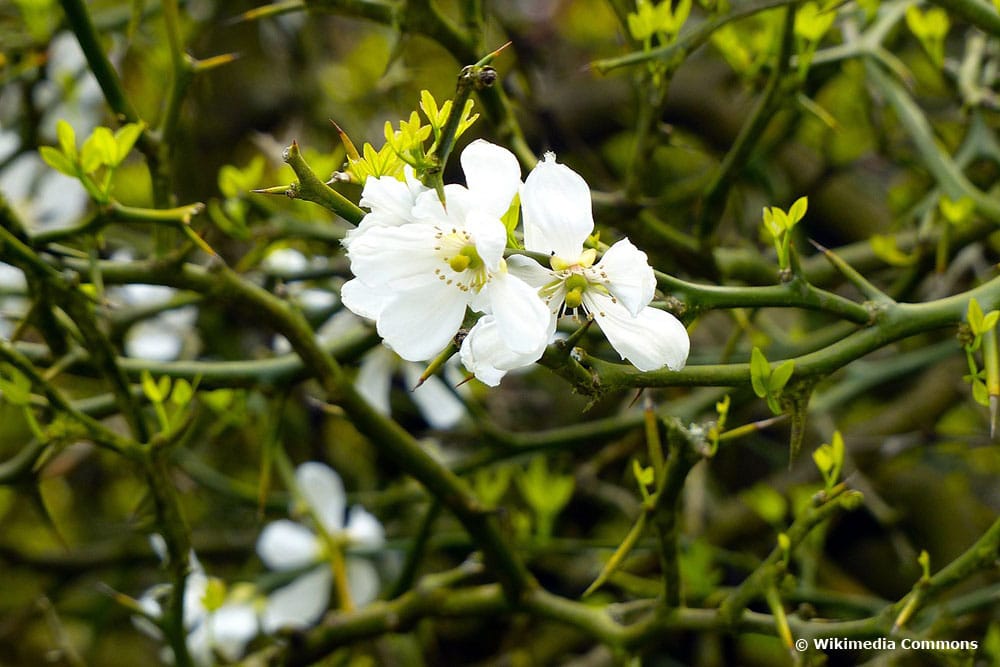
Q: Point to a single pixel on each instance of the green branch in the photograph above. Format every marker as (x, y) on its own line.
(689, 40)
(892, 323)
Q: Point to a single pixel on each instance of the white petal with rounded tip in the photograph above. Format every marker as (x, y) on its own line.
(362, 581)
(649, 341)
(284, 545)
(630, 277)
(555, 202)
(492, 175)
(323, 490)
(363, 529)
(419, 324)
(390, 199)
(363, 300)
(485, 352)
(522, 317)
(300, 604)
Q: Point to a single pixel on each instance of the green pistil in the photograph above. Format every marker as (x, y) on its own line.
(576, 284)
(467, 258)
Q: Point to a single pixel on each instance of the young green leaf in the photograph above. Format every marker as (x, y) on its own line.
(58, 161)
(797, 211)
(67, 139)
(780, 376)
(760, 372)
(974, 316)
(125, 139)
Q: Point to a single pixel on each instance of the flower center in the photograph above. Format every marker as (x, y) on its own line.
(457, 250)
(576, 284)
(467, 258)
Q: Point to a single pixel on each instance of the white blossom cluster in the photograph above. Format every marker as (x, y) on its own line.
(421, 264)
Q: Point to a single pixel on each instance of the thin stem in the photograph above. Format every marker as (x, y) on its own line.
(83, 27)
(752, 132)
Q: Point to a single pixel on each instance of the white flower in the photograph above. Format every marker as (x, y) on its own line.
(212, 629)
(418, 270)
(286, 545)
(615, 291)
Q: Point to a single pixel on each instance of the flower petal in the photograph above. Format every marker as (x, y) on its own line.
(300, 604)
(390, 200)
(362, 581)
(363, 529)
(485, 352)
(557, 212)
(421, 322)
(651, 340)
(374, 378)
(522, 317)
(489, 235)
(231, 627)
(530, 271)
(629, 276)
(437, 403)
(396, 257)
(284, 545)
(323, 490)
(364, 300)
(199, 644)
(492, 175)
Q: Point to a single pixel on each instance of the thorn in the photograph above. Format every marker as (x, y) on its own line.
(352, 151)
(266, 11)
(488, 58)
(469, 377)
(276, 190)
(215, 61)
(638, 395)
(504, 46)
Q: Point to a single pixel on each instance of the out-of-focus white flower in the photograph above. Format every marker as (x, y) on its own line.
(286, 545)
(436, 402)
(615, 291)
(222, 627)
(161, 337)
(285, 260)
(417, 278)
(13, 305)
